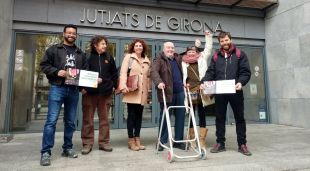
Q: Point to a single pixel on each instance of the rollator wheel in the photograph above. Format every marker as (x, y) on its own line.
(170, 156)
(203, 155)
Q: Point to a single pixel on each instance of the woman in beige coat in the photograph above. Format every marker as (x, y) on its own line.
(140, 65)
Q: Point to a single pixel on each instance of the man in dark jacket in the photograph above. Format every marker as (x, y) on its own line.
(167, 74)
(59, 59)
(229, 63)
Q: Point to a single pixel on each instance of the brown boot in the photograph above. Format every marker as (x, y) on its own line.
(202, 137)
(86, 149)
(138, 143)
(106, 147)
(132, 144)
(192, 136)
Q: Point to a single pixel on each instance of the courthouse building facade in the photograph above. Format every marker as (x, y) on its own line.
(274, 34)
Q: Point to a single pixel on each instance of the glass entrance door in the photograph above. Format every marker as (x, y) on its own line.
(255, 105)
(30, 85)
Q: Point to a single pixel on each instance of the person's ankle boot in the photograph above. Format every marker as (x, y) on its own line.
(192, 136)
(138, 143)
(218, 147)
(86, 149)
(202, 137)
(106, 147)
(132, 144)
(243, 149)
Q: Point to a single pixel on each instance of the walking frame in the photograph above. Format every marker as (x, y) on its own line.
(200, 152)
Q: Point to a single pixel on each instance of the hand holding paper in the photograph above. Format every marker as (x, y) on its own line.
(61, 73)
(238, 86)
(99, 80)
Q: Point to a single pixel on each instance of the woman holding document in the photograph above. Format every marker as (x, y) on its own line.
(99, 98)
(194, 66)
(134, 84)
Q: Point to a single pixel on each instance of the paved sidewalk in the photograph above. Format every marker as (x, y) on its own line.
(274, 147)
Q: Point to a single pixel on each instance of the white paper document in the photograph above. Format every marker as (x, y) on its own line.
(88, 79)
(219, 87)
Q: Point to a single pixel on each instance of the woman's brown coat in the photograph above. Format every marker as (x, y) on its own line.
(139, 67)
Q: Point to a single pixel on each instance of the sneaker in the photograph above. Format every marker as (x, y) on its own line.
(86, 149)
(243, 149)
(181, 146)
(106, 147)
(69, 153)
(45, 159)
(218, 148)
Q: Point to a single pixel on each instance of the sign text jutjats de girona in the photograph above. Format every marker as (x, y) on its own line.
(107, 18)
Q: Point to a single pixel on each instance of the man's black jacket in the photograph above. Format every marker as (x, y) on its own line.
(104, 64)
(232, 67)
(54, 60)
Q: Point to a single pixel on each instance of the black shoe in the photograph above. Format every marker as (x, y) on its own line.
(218, 148)
(179, 146)
(160, 148)
(69, 153)
(45, 159)
(243, 149)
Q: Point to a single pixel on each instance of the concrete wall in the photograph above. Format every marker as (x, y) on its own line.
(51, 15)
(288, 62)
(6, 15)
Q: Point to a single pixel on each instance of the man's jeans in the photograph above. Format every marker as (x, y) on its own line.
(177, 100)
(58, 95)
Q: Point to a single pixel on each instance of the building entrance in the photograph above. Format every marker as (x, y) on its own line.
(30, 86)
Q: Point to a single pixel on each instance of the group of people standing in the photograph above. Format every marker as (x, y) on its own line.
(169, 71)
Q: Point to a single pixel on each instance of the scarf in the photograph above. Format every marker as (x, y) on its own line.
(191, 58)
(232, 48)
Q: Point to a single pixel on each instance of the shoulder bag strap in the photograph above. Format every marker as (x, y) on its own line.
(194, 72)
(129, 65)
